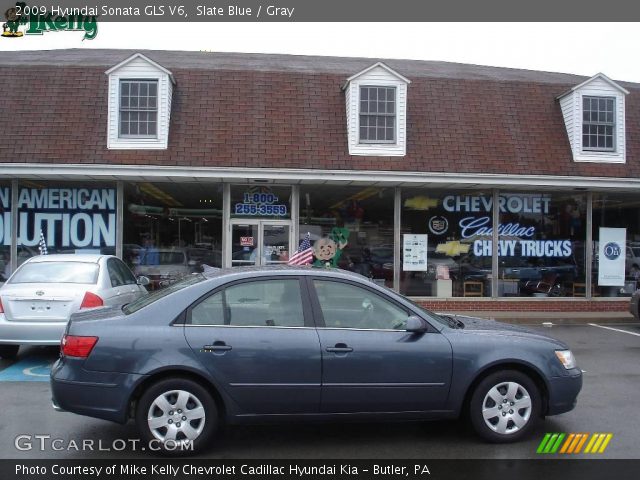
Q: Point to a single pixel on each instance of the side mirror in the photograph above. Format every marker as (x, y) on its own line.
(142, 280)
(416, 325)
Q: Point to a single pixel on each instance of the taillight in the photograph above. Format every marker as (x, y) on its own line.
(1, 308)
(91, 300)
(73, 346)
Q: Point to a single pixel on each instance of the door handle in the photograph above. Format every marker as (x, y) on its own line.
(340, 348)
(217, 347)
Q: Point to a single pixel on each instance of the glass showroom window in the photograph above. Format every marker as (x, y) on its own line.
(354, 227)
(541, 245)
(71, 217)
(172, 229)
(616, 224)
(446, 243)
(5, 231)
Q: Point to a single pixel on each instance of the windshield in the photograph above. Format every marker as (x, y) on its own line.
(56, 272)
(158, 294)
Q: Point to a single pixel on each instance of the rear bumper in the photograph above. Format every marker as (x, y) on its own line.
(25, 332)
(102, 395)
(563, 392)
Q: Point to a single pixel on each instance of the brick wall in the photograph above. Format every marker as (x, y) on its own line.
(527, 306)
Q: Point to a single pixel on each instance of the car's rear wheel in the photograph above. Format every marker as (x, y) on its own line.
(9, 352)
(177, 416)
(505, 406)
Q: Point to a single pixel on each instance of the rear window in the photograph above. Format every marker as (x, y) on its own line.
(158, 294)
(56, 272)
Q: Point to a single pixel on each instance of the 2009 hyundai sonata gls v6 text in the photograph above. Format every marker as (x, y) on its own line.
(247, 345)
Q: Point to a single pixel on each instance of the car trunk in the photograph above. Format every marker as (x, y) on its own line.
(35, 302)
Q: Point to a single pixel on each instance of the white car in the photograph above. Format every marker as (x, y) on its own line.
(40, 296)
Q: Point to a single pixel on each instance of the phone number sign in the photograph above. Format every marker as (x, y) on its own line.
(260, 205)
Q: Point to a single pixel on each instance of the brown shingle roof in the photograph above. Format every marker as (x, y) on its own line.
(255, 110)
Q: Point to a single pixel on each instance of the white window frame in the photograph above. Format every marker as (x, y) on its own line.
(571, 105)
(377, 75)
(139, 67)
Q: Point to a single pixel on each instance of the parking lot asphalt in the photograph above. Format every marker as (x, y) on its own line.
(608, 403)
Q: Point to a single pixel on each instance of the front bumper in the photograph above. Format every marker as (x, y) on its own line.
(563, 392)
(102, 395)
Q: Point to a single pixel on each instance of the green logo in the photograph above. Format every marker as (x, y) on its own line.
(39, 20)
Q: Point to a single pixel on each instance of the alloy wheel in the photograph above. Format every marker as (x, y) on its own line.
(176, 415)
(506, 408)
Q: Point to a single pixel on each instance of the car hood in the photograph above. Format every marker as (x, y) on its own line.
(475, 325)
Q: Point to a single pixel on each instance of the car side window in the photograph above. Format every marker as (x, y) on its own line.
(345, 305)
(263, 303)
(125, 273)
(210, 311)
(114, 273)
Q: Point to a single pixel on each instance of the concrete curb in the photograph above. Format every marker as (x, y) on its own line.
(557, 318)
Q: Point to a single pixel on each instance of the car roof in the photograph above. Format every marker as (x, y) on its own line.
(278, 270)
(69, 257)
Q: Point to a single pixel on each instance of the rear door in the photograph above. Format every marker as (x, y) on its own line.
(117, 292)
(132, 290)
(369, 362)
(257, 339)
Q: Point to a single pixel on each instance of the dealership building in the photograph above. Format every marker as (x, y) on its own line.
(465, 187)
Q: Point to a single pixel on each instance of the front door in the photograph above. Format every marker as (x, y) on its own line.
(259, 242)
(370, 363)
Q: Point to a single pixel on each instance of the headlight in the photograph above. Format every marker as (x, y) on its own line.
(566, 358)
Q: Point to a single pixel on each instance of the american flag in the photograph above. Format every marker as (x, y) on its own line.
(304, 254)
(42, 246)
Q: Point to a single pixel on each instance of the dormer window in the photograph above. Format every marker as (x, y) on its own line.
(139, 108)
(598, 123)
(139, 105)
(377, 112)
(594, 116)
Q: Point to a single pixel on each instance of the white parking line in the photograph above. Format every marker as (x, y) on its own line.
(615, 329)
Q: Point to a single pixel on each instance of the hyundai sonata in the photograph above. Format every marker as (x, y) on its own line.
(284, 343)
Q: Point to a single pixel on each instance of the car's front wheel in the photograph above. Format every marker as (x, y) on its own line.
(9, 352)
(505, 406)
(177, 416)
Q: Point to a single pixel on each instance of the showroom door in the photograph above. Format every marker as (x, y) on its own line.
(258, 242)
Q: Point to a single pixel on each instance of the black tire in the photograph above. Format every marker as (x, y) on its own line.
(9, 352)
(494, 429)
(165, 387)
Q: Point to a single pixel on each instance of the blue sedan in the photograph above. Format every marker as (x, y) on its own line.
(287, 343)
